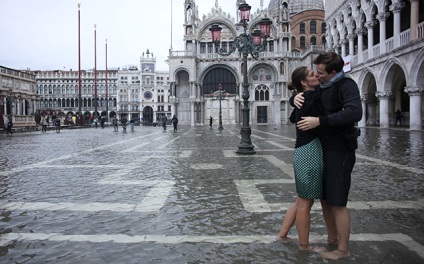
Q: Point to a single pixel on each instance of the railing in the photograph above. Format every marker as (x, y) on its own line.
(376, 50)
(405, 37)
(365, 55)
(390, 44)
(420, 29)
(180, 53)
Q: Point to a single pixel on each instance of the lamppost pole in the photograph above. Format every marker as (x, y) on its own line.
(245, 44)
(220, 94)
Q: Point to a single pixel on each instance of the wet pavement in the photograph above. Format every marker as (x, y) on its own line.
(154, 196)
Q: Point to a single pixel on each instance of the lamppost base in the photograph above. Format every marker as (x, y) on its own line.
(246, 146)
(246, 150)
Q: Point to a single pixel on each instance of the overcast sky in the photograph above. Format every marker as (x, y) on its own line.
(43, 34)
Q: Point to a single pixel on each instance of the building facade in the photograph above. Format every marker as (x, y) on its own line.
(197, 72)
(59, 93)
(138, 92)
(18, 97)
(383, 42)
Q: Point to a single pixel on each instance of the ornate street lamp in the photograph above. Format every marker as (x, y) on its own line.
(245, 44)
(220, 95)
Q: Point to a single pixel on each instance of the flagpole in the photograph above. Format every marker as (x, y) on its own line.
(107, 96)
(95, 72)
(79, 67)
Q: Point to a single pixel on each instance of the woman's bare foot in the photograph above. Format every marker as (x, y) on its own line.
(284, 239)
(312, 248)
(335, 254)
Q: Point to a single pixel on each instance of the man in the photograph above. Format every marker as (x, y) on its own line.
(164, 120)
(175, 122)
(342, 107)
(124, 123)
(115, 123)
(8, 125)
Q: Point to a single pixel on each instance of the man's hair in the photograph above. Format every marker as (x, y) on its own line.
(331, 60)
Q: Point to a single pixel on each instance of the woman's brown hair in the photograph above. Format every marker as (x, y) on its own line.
(298, 75)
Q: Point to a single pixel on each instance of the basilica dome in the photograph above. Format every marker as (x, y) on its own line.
(295, 6)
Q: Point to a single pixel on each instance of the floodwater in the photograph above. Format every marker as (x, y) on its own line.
(153, 196)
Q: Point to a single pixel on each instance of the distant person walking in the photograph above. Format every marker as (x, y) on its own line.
(8, 125)
(57, 124)
(399, 116)
(44, 124)
(115, 124)
(37, 117)
(174, 122)
(132, 122)
(164, 120)
(210, 121)
(102, 121)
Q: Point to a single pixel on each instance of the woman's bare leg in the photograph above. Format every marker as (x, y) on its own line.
(289, 219)
(303, 221)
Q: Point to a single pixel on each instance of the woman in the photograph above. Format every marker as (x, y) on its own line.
(307, 159)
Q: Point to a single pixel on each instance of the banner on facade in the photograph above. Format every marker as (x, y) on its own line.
(347, 67)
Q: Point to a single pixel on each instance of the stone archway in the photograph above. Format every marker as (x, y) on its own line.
(396, 82)
(147, 115)
(371, 101)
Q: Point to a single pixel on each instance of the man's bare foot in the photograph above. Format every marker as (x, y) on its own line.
(332, 242)
(335, 254)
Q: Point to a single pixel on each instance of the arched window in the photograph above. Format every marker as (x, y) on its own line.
(202, 47)
(302, 29)
(262, 93)
(313, 40)
(219, 76)
(210, 47)
(323, 27)
(313, 28)
(302, 42)
(224, 46)
(282, 72)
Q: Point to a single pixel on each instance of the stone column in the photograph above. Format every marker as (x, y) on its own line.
(343, 43)
(363, 121)
(396, 8)
(351, 38)
(384, 96)
(202, 113)
(370, 26)
(415, 92)
(192, 111)
(173, 99)
(360, 33)
(415, 5)
(171, 87)
(371, 110)
(382, 18)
